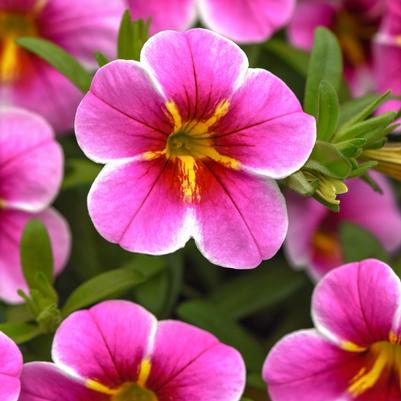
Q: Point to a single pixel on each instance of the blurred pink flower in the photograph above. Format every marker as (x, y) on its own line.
(355, 23)
(244, 21)
(189, 135)
(313, 238)
(117, 351)
(80, 27)
(388, 55)
(10, 369)
(31, 168)
(355, 353)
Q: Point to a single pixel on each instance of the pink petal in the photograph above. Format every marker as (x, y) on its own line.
(10, 369)
(265, 128)
(122, 115)
(309, 15)
(45, 382)
(357, 303)
(105, 343)
(173, 14)
(191, 364)
(31, 161)
(306, 367)
(197, 69)
(241, 219)
(138, 206)
(246, 20)
(12, 224)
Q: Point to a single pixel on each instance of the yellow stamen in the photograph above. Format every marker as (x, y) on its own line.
(144, 372)
(100, 388)
(388, 158)
(351, 347)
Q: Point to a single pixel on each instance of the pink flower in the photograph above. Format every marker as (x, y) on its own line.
(313, 237)
(355, 22)
(31, 168)
(183, 133)
(79, 27)
(10, 369)
(240, 20)
(388, 55)
(118, 351)
(355, 353)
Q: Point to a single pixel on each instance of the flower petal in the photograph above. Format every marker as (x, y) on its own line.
(105, 343)
(31, 164)
(173, 14)
(45, 382)
(189, 363)
(356, 305)
(241, 219)
(197, 69)
(12, 224)
(306, 367)
(122, 115)
(246, 20)
(138, 206)
(265, 128)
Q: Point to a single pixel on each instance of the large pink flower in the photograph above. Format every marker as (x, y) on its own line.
(313, 238)
(240, 20)
(31, 168)
(10, 369)
(183, 133)
(355, 22)
(117, 351)
(355, 353)
(80, 27)
(388, 55)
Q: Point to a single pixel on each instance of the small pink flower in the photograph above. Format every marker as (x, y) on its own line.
(187, 135)
(355, 23)
(241, 20)
(31, 168)
(313, 238)
(117, 351)
(388, 55)
(354, 354)
(10, 369)
(79, 27)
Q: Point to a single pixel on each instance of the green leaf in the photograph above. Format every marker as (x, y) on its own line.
(325, 64)
(256, 290)
(328, 160)
(107, 285)
(300, 184)
(363, 168)
(60, 60)
(351, 147)
(36, 253)
(329, 109)
(206, 316)
(79, 172)
(358, 244)
(101, 59)
(126, 38)
(20, 332)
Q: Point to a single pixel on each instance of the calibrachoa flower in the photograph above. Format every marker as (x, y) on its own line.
(182, 133)
(313, 234)
(240, 20)
(118, 351)
(80, 27)
(388, 55)
(355, 353)
(10, 369)
(31, 168)
(355, 22)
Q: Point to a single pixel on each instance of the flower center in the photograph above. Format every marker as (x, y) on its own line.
(355, 34)
(133, 392)
(13, 58)
(385, 357)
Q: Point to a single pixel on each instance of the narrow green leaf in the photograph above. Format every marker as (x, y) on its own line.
(60, 60)
(358, 244)
(36, 253)
(206, 316)
(363, 168)
(20, 332)
(351, 147)
(101, 59)
(126, 38)
(329, 109)
(354, 107)
(325, 64)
